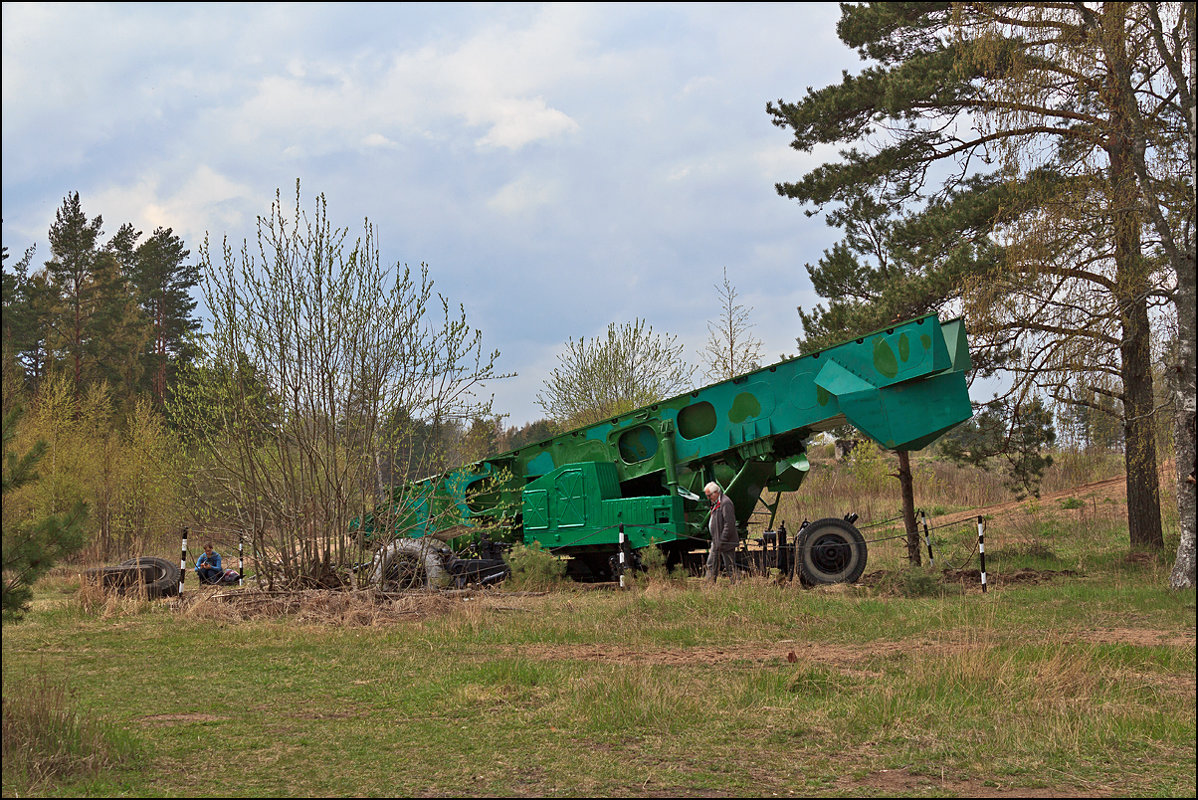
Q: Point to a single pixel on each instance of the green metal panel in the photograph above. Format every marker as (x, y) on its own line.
(536, 509)
(587, 510)
(569, 498)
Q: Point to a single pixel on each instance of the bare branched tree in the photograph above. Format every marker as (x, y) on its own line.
(315, 347)
(731, 347)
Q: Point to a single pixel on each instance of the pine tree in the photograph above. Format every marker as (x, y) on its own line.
(117, 331)
(960, 87)
(73, 253)
(164, 282)
(29, 307)
(30, 545)
(12, 321)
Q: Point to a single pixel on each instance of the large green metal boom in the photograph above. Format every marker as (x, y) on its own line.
(903, 387)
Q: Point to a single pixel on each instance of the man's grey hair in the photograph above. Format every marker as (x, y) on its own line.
(712, 487)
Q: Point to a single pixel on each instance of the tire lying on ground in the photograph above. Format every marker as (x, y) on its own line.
(830, 551)
(162, 577)
(410, 564)
(157, 577)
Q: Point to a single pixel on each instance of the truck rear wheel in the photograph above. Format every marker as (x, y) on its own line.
(830, 551)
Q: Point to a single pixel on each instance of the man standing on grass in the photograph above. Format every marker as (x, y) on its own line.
(208, 566)
(722, 526)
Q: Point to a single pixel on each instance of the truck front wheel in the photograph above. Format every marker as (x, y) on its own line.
(410, 564)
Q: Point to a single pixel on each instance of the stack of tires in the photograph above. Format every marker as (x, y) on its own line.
(145, 576)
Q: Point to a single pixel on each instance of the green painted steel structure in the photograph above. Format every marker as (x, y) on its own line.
(903, 387)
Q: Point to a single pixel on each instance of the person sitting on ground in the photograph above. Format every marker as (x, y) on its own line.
(208, 566)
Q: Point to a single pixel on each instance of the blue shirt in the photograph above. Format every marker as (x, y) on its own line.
(206, 560)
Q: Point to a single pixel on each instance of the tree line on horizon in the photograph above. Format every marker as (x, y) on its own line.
(119, 312)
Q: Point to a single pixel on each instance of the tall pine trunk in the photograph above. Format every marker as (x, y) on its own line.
(1131, 294)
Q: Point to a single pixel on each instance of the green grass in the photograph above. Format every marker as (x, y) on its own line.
(1077, 685)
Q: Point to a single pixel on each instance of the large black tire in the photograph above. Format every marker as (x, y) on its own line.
(410, 564)
(830, 551)
(113, 577)
(162, 577)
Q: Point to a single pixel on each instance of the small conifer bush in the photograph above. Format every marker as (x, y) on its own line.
(533, 568)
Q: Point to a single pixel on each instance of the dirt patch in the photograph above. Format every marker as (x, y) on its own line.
(328, 715)
(158, 720)
(891, 581)
(349, 609)
(847, 658)
(901, 781)
(1138, 637)
(779, 653)
(1019, 576)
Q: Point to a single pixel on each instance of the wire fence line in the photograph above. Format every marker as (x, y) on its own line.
(222, 535)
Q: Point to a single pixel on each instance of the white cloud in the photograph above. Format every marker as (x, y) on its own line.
(679, 173)
(378, 140)
(523, 195)
(520, 122)
(205, 202)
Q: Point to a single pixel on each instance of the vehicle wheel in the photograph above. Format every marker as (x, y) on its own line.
(162, 577)
(830, 551)
(410, 564)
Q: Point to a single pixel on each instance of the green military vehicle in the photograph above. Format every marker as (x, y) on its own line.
(600, 494)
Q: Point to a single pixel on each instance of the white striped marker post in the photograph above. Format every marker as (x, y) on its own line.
(928, 540)
(241, 559)
(621, 555)
(183, 564)
(982, 552)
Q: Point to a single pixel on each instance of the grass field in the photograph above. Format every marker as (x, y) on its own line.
(1072, 676)
(1074, 685)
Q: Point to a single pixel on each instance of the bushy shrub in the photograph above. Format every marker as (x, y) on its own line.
(869, 466)
(533, 568)
(653, 559)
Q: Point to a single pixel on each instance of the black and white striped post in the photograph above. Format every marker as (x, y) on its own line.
(241, 559)
(621, 555)
(927, 539)
(183, 563)
(982, 551)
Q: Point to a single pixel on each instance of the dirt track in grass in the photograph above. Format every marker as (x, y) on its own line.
(840, 656)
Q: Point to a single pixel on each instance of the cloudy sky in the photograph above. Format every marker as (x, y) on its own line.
(558, 167)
